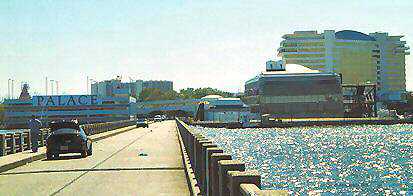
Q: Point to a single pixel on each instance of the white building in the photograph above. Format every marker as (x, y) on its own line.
(359, 58)
(219, 109)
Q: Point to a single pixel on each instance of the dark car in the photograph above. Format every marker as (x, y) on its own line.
(67, 137)
(142, 123)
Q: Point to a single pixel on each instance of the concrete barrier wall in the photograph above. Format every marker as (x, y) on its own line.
(216, 173)
(15, 142)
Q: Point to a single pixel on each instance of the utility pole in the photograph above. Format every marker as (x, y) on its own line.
(57, 87)
(87, 85)
(8, 88)
(51, 85)
(46, 85)
(12, 89)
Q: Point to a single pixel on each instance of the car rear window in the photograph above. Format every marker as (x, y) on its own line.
(61, 125)
(66, 131)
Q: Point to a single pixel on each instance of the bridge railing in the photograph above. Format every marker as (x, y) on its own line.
(19, 141)
(216, 173)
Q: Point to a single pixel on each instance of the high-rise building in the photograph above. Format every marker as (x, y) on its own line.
(117, 88)
(158, 84)
(391, 75)
(359, 58)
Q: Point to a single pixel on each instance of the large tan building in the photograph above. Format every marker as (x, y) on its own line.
(359, 58)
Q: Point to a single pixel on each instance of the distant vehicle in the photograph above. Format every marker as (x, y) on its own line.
(157, 118)
(142, 123)
(67, 137)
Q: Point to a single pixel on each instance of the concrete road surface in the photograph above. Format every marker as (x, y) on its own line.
(143, 161)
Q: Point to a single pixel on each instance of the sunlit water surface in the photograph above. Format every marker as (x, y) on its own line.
(365, 159)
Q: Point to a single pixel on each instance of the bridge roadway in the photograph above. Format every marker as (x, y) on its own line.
(118, 166)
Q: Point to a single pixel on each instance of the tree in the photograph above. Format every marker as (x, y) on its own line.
(150, 94)
(191, 93)
(154, 94)
(170, 95)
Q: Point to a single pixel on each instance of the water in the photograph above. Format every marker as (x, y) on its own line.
(364, 159)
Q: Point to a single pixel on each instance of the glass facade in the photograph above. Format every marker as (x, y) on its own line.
(295, 95)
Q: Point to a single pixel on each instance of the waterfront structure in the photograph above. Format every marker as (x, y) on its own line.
(359, 58)
(117, 88)
(215, 108)
(179, 107)
(294, 91)
(84, 108)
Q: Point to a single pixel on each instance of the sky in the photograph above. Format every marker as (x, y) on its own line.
(215, 43)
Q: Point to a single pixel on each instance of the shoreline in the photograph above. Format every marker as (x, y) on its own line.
(285, 123)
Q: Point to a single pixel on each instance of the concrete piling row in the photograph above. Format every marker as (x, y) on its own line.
(14, 142)
(215, 172)
(19, 141)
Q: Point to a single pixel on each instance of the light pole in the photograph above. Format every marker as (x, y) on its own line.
(57, 87)
(12, 87)
(8, 88)
(87, 85)
(46, 85)
(51, 84)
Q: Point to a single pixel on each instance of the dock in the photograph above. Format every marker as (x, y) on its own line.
(299, 122)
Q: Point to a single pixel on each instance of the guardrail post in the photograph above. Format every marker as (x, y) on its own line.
(41, 138)
(223, 167)
(198, 137)
(204, 164)
(20, 149)
(3, 145)
(13, 143)
(236, 178)
(198, 158)
(208, 167)
(29, 141)
(215, 157)
(191, 145)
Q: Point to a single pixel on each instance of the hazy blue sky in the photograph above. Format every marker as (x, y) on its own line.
(193, 43)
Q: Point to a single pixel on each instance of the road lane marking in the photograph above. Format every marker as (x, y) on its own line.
(95, 170)
(98, 164)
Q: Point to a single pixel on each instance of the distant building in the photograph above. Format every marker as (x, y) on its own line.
(290, 90)
(391, 71)
(84, 108)
(158, 84)
(117, 88)
(218, 109)
(361, 59)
